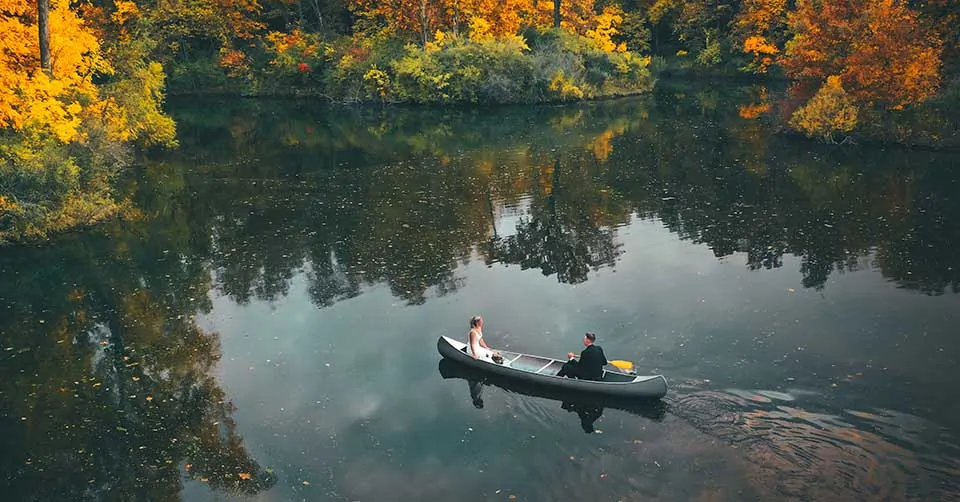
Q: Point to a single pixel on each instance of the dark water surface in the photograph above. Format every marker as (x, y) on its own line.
(264, 324)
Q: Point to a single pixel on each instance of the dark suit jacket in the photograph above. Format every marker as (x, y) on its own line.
(592, 361)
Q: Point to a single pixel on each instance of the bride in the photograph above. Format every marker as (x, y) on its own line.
(476, 347)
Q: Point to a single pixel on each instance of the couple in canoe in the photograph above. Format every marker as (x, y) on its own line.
(589, 367)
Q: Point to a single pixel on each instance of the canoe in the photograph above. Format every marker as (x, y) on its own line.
(652, 409)
(543, 371)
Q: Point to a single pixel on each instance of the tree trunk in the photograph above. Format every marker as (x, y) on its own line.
(456, 19)
(556, 13)
(43, 25)
(424, 22)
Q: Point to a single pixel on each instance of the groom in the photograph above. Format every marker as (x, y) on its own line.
(591, 363)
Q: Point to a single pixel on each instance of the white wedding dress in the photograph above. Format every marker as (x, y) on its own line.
(482, 353)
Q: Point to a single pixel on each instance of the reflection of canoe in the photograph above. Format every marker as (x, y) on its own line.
(654, 409)
(543, 371)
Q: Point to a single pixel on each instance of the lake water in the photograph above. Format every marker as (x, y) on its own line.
(263, 326)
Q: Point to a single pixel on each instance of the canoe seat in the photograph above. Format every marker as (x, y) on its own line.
(551, 369)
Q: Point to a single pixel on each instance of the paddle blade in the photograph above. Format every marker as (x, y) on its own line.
(624, 365)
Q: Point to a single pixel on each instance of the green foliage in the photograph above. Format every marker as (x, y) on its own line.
(43, 189)
(635, 32)
(711, 54)
(357, 71)
(197, 77)
(140, 95)
(556, 66)
(494, 71)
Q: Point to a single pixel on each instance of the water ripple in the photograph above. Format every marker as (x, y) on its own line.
(802, 454)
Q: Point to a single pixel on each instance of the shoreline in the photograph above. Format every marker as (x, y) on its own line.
(667, 77)
(399, 104)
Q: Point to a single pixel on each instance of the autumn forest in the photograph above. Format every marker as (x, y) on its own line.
(83, 83)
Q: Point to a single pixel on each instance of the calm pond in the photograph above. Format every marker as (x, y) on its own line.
(264, 324)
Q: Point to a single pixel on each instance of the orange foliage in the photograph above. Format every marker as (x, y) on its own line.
(239, 15)
(488, 18)
(418, 16)
(761, 50)
(760, 16)
(234, 61)
(500, 18)
(577, 15)
(753, 111)
(877, 47)
(756, 24)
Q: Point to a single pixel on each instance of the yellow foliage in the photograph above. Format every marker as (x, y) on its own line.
(29, 98)
(125, 10)
(6, 205)
(830, 111)
(629, 60)
(564, 87)
(480, 29)
(439, 41)
(378, 79)
(605, 27)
